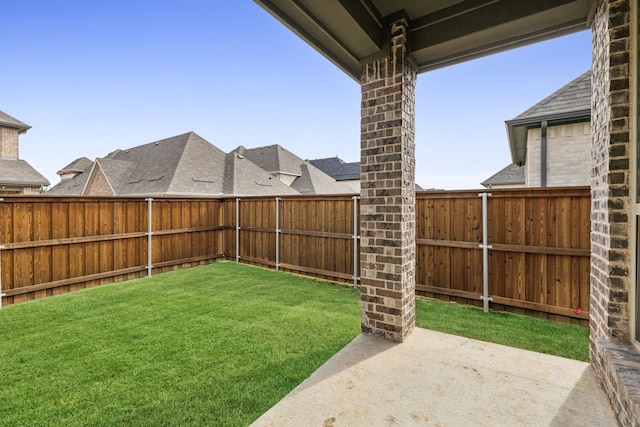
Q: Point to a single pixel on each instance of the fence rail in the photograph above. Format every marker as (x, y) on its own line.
(538, 242)
(54, 245)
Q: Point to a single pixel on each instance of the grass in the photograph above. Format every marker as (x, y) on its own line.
(542, 336)
(214, 345)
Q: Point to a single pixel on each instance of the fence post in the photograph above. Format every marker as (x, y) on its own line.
(149, 233)
(277, 233)
(237, 229)
(485, 254)
(2, 294)
(355, 242)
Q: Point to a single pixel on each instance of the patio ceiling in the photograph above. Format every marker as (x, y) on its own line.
(443, 32)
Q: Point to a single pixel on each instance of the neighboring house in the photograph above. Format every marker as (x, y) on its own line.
(182, 165)
(341, 171)
(290, 169)
(551, 141)
(16, 176)
(512, 176)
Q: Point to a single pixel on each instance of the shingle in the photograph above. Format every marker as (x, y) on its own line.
(510, 175)
(243, 177)
(314, 181)
(78, 165)
(274, 159)
(117, 172)
(9, 121)
(337, 168)
(574, 96)
(21, 173)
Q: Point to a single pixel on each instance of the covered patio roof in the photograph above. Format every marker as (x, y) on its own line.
(442, 32)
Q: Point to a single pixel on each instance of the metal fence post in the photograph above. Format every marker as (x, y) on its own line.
(485, 254)
(2, 294)
(149, 234)
(277, 233)
(237, 229)
(355, 242)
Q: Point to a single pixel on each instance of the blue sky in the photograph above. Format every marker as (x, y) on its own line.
(91, 77)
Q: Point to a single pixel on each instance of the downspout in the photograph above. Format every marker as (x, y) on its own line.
(543, 153)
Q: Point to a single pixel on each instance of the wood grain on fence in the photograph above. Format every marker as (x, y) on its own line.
(539, 255)
(53, 245)
(538, 261)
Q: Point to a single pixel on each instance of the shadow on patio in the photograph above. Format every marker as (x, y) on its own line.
(439, 379)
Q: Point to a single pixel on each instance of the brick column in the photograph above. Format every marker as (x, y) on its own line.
(387, 211)
(610, 185)
(614, 359)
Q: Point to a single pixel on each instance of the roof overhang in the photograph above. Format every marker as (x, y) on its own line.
(517, 130)
(442, 32)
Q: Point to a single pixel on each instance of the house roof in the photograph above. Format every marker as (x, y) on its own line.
(510, 175)
(308, 178)
(183, 164)
(243, 177)
(17, 172)
(441, 32)
(78, 165)
(337, 168)
(11, 122)
(569, 104)
(273, 158)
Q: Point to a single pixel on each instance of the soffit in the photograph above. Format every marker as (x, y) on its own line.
(442, 32)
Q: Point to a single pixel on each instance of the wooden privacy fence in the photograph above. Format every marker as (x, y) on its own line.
(537, 251)
(52, 245)
(317, 235)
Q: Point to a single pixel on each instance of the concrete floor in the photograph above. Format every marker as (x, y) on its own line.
(435, 379)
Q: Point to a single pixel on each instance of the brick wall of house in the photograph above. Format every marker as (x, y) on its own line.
(568, 156)
(98, 184)
(8, 143)
(614, 360)
(387, 255)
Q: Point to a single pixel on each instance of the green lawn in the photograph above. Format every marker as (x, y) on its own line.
(214, 345)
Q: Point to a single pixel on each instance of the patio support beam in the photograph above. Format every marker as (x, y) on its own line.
(387, 209)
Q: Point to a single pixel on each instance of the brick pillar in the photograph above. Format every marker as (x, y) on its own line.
(387, 211)
(610, 178)
(613, 358)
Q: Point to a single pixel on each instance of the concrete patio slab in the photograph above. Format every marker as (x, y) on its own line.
(436, 379)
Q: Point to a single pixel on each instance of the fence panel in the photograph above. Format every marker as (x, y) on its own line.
(53, 245)
(539, 255)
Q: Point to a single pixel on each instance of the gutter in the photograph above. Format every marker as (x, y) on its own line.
(517, 129)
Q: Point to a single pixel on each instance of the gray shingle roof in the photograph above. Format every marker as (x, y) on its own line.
(20, 173)
(309, 179)
(273, 158)
(510, 175)
(180, 165)
(573, 97)
(243, 177)
(11, 122)
(570, 103)
(78, 165)
(337, 168)
(314, 181)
